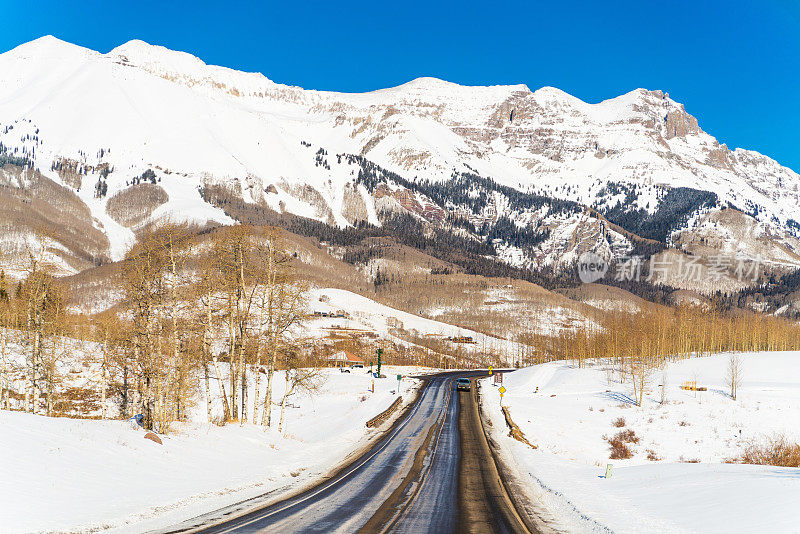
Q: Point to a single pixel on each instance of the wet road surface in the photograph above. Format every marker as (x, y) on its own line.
(433, 472)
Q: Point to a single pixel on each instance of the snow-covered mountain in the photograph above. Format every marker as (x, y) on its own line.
(140, 132)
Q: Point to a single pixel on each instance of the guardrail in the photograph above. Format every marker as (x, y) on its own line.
(384, 415)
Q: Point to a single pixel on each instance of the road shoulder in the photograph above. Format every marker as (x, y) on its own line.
(526, 501)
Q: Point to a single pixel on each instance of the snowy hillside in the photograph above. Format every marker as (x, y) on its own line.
(680, 444)
(104, 125)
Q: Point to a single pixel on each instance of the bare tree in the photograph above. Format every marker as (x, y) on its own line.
(205, 289)
(641, 368)
(734, 374)
(285, 311)
(5, 331)
(41, 305)
(234, 251)
(664, 379)
(307, 380)
(153, 281)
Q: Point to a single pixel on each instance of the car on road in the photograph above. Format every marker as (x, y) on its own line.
(357, 366)
(462, 384)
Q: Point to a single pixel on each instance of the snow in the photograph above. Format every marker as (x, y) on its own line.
(90, 474)
(150, 107)
(575, 408)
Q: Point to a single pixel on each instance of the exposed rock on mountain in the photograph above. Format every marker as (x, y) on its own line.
(538, 177)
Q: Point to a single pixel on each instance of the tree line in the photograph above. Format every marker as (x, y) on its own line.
(640, 344)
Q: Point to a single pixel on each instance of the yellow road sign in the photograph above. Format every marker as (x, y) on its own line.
(490, 370)
(502, 390)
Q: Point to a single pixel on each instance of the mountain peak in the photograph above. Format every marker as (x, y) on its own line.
(140, 53)
(431, 86)
(47, 46)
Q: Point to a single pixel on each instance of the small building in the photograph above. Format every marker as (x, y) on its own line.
(343, 358)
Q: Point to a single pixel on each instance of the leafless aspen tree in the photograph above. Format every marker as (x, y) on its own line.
(297, 380)
(285, 306)
(734, 374)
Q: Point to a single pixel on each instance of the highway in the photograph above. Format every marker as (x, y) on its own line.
(433, 472)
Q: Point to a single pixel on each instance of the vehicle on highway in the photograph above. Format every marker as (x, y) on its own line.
(462, 384)
(357, 366)
(344, 370)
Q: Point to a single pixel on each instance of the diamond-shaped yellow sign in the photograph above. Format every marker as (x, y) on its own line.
(502, 390)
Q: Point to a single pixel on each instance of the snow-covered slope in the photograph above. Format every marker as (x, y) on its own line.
(678, 478)
(99, 123)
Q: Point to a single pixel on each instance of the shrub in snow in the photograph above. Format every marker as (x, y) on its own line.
(619, 444)
(619, 451)
(628, 436)
(776, 450)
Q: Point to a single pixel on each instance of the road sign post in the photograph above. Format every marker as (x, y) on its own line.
(399, 378)
(502, 390)
(490, 371)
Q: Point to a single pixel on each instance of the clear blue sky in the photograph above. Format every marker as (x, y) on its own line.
(734, 64)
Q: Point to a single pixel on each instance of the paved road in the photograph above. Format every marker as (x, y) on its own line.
(432, 473)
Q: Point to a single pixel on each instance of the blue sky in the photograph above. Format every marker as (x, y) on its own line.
(735, 64)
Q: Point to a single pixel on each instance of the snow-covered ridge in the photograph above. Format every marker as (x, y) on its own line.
(141, 108)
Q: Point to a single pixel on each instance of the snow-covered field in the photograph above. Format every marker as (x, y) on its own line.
(690, 487)
(78, 475)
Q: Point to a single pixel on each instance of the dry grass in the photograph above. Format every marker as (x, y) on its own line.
(619, 422)
(776, 450)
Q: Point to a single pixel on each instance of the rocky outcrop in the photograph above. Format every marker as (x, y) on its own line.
(411, 202)
(678, 123)
(719, 157)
